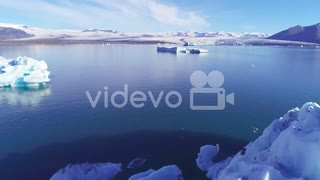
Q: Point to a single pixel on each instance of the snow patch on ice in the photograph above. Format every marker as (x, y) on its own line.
(287, 149)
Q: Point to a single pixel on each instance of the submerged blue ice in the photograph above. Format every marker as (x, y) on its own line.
(171, 172)
(23, 72)
(86, 171)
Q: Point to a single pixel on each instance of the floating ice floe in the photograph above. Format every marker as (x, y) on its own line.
(181, 50)
(172, 49)
(171, 172)
(23, 72)
(100, 171)
(107, 171)
(197, 50)
(288, 149)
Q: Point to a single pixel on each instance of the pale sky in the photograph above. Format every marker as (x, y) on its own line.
(269, 16)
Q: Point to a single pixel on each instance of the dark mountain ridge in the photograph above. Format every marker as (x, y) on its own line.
(12, 33)
(300, 33)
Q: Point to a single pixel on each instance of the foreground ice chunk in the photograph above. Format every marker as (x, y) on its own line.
(289, 148)
(142, 175)
(23, 72)
(207, 153)
(171, 172)
(100, 171)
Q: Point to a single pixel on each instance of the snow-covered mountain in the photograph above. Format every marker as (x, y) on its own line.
(21, 33)
(37, 34)
(12, 33)
(100, 30)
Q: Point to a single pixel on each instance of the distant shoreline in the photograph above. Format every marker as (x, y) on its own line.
(48, 41)
(254, 42)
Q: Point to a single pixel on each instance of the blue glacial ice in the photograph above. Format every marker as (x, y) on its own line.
(288, 149)
(171, 172)
(99, 171)
(23, 72)
(107, 171)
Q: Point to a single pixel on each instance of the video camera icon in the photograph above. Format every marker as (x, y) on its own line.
(215, 79)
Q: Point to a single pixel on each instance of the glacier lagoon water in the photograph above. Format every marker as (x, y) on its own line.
(267, 81)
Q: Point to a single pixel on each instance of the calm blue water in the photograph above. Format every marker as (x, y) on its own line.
(267, 82)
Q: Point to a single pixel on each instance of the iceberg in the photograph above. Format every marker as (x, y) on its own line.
(197, 50)
(288, 149)
(23, 72)
(171, 172)
(99, 171)
(172, 49)
(176, 50)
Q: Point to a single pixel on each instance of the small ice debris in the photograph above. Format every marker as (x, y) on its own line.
(255, 129)
(136, 163)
